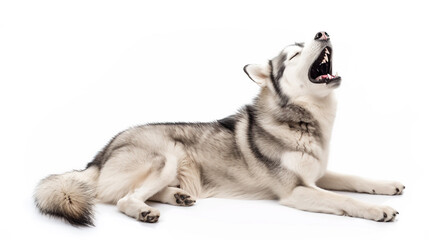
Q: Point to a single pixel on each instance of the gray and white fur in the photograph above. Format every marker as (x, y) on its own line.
(275, 148)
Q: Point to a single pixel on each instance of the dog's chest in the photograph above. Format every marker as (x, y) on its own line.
(311, 136)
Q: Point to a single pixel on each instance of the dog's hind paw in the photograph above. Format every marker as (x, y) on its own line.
(184, 199)
(149, 216)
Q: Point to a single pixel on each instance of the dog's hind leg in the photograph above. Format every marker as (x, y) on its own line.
(174, 196)
(133, 204)
(341, 182)
(134, 174)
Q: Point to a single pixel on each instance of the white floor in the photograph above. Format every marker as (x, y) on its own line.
(74, 74)
(233, 219)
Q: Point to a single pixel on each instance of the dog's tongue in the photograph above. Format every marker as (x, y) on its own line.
(328, 76)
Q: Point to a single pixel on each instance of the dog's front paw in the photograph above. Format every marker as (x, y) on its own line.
(381, 214)
(388, 188)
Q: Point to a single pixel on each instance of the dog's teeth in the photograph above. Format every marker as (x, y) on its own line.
(327, 51)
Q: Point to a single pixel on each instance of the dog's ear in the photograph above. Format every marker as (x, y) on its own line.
(259, 73)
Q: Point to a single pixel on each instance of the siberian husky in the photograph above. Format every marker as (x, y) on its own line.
(275, 148)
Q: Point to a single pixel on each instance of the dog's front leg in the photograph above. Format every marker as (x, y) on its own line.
(340, 182)
(314, 199)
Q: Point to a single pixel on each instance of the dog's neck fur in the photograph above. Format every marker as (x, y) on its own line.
(315, 114)
(322, 108)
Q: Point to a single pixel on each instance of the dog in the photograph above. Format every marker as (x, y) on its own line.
(275, 148)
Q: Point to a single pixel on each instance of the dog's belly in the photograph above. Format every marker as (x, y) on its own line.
(238, 191)
(233, 183)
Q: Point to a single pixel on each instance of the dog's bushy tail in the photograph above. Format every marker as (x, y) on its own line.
(69, 196)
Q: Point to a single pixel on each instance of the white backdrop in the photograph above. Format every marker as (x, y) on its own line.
(74, 73)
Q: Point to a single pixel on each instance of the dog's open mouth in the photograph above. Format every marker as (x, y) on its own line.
(321, 69)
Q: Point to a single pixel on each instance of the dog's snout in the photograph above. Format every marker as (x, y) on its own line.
(322, 36)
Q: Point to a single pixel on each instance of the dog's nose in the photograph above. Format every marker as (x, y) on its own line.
(322, 36)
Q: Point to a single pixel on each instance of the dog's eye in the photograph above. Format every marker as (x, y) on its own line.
(294, 56)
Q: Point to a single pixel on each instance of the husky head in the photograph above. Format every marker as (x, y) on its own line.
(301, 69)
